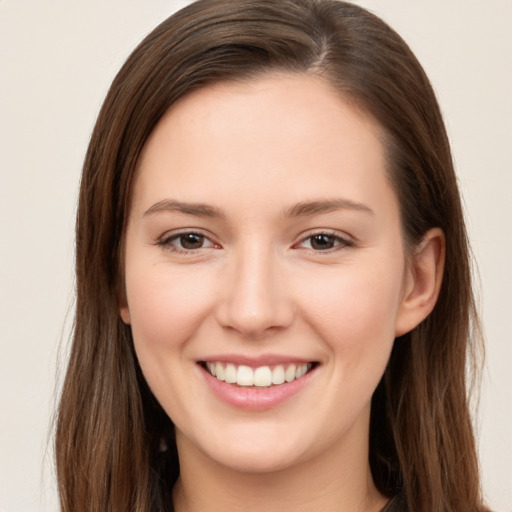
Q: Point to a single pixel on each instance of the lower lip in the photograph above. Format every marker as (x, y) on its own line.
(254, 398)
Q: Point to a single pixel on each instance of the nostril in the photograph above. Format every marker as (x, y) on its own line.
(254, 324)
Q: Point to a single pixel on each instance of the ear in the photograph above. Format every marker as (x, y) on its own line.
(124, 313)
(422, 281)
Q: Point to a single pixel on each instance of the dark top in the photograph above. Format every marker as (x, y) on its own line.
(396, 504)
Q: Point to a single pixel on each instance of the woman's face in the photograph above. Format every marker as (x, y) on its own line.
(264, 241)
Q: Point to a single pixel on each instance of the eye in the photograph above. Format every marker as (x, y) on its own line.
(188, 241)
(324, 242)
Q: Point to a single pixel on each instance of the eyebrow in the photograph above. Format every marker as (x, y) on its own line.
(309, 208)
(197, 209)
(302, 209)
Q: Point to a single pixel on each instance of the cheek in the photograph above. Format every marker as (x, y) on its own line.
(166, 308)
(354, 309)
(166, 311)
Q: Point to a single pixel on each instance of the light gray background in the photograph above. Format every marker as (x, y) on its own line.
(57, 59)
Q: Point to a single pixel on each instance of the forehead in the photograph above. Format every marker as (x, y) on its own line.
(292, 132)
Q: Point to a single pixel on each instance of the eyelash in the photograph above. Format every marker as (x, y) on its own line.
(167, 242)
(339, 241)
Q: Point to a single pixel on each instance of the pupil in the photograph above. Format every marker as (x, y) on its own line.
(191, 241)
(322, 242)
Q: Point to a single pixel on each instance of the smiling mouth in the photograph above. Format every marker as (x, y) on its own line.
(259, 377)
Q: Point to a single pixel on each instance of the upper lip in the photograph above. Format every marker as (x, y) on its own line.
(255, 361)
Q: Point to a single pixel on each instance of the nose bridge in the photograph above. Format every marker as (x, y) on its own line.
(255, 297)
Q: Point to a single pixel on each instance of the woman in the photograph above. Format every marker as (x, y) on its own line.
(273, 289)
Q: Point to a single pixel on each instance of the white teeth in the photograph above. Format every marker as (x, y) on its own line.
(245, 376)
(289, 375)
(262, 376)
(219, 371)
(278, 375)
(211, 368)
(230, 374)
(301, 370)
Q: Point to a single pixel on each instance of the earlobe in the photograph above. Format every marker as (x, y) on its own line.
(122, 301)
(422, 282)
(124, 312)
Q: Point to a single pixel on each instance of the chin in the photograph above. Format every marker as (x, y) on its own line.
(245, 459)
(249, 448)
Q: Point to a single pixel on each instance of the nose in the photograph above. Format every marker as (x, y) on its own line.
(255, 298)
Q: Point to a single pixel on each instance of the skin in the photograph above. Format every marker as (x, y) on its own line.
(258, 285)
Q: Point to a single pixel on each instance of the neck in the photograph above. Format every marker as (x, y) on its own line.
(338, 480)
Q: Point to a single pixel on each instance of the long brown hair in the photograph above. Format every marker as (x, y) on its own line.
(114, 444)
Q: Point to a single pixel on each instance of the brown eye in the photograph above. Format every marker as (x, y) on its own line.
(323, 242)
(186, 242)
(191, 241)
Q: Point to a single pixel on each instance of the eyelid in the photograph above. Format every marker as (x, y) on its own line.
(165, 240)
(343, 240)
